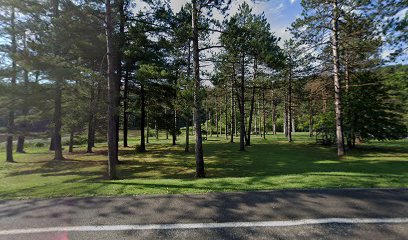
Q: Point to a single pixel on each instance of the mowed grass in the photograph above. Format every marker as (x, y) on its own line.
(267, 164)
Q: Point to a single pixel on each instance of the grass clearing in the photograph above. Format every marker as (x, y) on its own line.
(268, 164)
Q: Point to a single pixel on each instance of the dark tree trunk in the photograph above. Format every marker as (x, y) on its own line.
(200, 171)
(264, 113)
(143, 119)
(21, 138)
(175, 111)
(310, 118)
(71, 141)
(187, 147)
(20, 144)
(156, 129)
(58, 122)
(10, 127)
(251, 113)
(125, 109)
(226, 113)
(242, 107)
(289, 120)
(113, 96)
(232, 111)
(52, 144)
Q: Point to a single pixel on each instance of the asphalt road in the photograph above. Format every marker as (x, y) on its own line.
(117, 218)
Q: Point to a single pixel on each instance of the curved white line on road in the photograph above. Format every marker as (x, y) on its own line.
(206, 225)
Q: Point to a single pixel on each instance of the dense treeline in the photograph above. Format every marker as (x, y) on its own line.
(97, 68)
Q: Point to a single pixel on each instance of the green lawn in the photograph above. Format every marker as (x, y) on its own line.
(268, 164)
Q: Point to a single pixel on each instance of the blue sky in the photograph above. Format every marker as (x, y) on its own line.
(280, 13)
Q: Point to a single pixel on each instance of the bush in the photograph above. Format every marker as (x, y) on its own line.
(39, 144)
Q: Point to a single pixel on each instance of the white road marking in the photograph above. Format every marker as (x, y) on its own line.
(205, 225)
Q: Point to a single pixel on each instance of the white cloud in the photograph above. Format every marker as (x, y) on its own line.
(292, 1)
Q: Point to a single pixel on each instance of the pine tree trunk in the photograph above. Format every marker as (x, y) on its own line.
(52, 145)
(156, 130)
(289, 116)
(142, 119)
(20, 144)
(10, 127)
(232, 112)
(71, 141)
(337, 84)
(58, 121)
(125, 109)
(310, 118)
(200, 171)
(251, 113)
(242, 107)
(112, 100)
(147, 127)
(264, 113)
(226, 116)
(187, 146)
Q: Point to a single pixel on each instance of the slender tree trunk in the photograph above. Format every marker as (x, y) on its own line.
(310, 118)
(91, 121)
(58, 121)
(226, 114)
(187, 146)
(216, 121)
(264, 113)
(156, 129)
(251, 113)
(289, 120)
(232, 111)
(175, 111)
(166, 125)
(125, 109)
(337, 84)
(242, 106)
(143, 119)
(21, 137)
(71, 141)
(200, 171)
(147, 127)
(10, 128)
(112, 100)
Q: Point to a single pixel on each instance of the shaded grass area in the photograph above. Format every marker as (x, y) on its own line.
(268, 164)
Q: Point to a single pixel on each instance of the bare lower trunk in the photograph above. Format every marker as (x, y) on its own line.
(71, 141)
(9, 149)
(264, 114)
(232, 112)
(200, 171)
(242, 107)
(57, 121)
(20, 144)
(251, 113)
(112, 99)
(337, 84)
(187, 146)
(142, 119)
(125, 110)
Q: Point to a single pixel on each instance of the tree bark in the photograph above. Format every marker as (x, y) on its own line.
(187, 146)
(264, 114)
(71, 141)
(125, 109)
(337, 84)
(142, 119)
(226, 114)
(10, 128)
(232, 110)
(242, 106)
(289, 120)
(251, 113)
(200, 171)
(112, 102)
